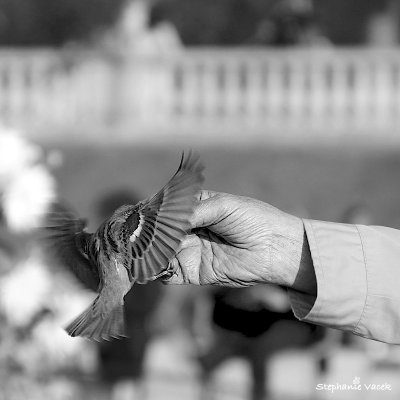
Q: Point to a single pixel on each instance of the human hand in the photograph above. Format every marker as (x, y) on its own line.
(239, 241)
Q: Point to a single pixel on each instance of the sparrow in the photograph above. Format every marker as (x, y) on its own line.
(135, 245)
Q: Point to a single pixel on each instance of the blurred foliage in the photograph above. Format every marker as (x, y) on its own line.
(199, 22)
(270, 22)
(54, 22)
(346, 22)
(224, 22)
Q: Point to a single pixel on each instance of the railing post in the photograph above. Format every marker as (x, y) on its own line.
(254, 92)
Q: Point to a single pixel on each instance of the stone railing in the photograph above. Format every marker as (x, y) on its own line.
(321, 90)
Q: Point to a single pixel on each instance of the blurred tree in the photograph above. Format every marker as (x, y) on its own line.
(199, 22)
(233, 22)
(51, 22)
(205, 22)
(346, 22)
(274, 22)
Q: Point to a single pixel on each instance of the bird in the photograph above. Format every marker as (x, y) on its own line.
(135, 245)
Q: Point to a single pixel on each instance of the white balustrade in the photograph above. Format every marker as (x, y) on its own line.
(321, 90)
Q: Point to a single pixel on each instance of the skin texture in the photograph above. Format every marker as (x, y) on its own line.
(239, 241)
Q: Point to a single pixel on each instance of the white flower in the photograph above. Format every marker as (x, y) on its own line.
(27, 197)
(23, 291)
(16, 153)
(66, 301)
(60, 350)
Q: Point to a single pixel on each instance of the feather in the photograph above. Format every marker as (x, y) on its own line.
(164, 221)
(68, 244)
(97, 324)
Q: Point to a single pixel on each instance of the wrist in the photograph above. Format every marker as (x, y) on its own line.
(291, 257)
(306, 281)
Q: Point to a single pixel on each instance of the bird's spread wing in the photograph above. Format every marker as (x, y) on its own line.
(68, 244)
(157, 229)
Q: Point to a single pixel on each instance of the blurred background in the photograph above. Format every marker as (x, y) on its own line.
(294, 102)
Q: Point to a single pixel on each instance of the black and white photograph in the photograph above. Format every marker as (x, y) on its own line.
(199, 199)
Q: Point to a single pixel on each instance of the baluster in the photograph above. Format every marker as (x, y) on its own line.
(382, 94)
(190, 91)
(16, 91)
(210, 92)
(339, 92)
(253, 96)
(232, 92)
(318, 93)
(274, 95)
(363, 89)
(296, 93)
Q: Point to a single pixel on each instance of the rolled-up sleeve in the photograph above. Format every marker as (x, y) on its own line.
(357, 269)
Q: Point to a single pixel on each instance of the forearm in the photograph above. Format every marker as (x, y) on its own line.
(338, 275)
(357, 274)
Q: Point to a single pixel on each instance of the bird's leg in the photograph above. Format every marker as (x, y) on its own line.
(172, 269)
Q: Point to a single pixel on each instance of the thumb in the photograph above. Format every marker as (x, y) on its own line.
(208, 210)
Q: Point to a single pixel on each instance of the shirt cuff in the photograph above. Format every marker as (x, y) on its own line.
(339, 265)
(380, 319)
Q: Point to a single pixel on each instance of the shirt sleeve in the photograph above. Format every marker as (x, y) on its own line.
(357, 269)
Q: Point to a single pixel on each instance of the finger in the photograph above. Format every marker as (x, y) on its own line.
(209, 210)
(184, 269)
(205, 194)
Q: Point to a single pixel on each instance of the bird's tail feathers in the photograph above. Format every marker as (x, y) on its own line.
(92, 325)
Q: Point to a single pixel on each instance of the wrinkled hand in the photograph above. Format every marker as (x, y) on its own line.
(239, 241)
